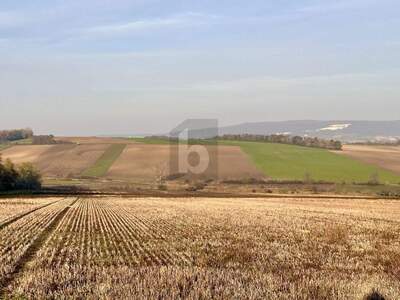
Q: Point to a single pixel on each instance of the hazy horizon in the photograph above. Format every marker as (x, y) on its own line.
(124, 67)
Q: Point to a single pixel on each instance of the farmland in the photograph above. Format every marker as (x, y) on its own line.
(57, 160)
(17, 207)
(102, 165)
(147, 161)
(387, 157)
(149, 248)
(151, 162)
(293, 162)
(19, 236)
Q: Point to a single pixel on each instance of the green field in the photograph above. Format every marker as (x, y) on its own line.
(288, 162)
(102, 165)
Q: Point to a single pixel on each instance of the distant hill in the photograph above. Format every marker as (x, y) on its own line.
(347, 131)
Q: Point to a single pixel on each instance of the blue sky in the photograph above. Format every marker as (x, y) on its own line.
(108, 67)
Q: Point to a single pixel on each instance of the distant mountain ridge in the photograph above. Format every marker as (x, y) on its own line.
(347, 130)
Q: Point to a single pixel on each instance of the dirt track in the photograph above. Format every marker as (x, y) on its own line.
(387, 157)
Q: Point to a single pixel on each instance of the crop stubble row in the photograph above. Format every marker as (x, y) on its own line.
(220, 248)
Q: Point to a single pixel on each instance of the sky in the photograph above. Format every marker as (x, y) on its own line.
(143, 66)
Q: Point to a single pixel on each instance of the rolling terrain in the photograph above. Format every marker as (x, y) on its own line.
(148, 161)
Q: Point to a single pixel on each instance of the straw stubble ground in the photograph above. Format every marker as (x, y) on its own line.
(216, 248)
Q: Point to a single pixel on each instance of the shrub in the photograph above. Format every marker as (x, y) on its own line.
(374, 295)
(29, 178)
(162, 187)
(23, 177)
(8, 175)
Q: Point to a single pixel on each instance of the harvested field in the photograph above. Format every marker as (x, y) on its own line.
(387, 157)
(57, 160)
(214, 248)
(11, 208)
(17, 238)
(151, 162)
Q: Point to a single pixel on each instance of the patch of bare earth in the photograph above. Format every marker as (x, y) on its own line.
(22, 154)
(141, 163)
(69, 160)
(387, 157)
(61, 161)
(150, 162)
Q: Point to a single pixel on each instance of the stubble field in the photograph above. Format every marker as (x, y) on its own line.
(152, 248)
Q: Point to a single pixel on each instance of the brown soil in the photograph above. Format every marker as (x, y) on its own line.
(151, 163)
(387, 157)
(57, 160)
(69, 160)
(21, 154)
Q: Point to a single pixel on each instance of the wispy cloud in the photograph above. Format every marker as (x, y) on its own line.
(184, 19)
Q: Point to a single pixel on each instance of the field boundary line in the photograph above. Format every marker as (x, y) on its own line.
(32, 250)
(18, 217)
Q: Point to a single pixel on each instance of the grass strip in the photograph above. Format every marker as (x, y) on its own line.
(289, 162)
(104, 163)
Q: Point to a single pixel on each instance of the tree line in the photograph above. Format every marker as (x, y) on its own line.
(15, 135)
(313, 142)
(21, 177)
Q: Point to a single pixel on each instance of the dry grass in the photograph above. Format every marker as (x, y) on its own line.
(219, 248)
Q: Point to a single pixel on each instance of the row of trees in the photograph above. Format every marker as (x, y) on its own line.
(286, 139)
(15, 135)
(379, 143)
(22, 177)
